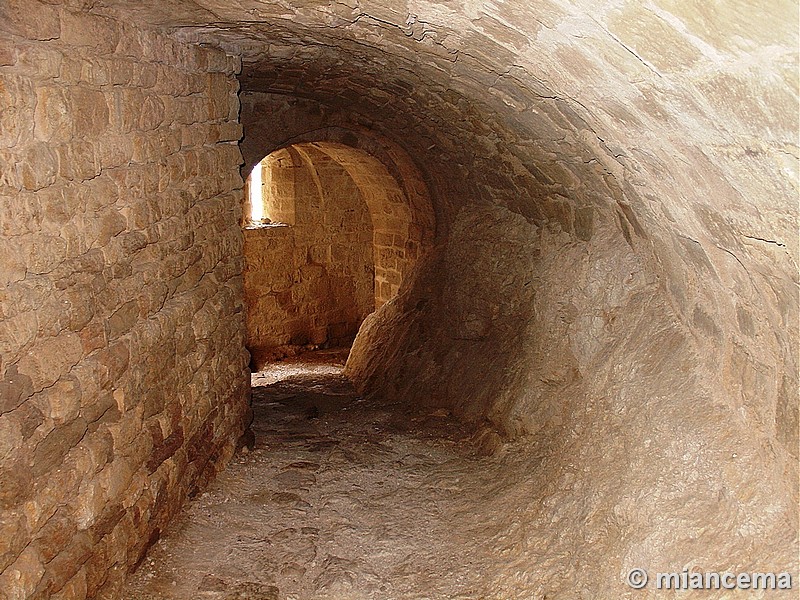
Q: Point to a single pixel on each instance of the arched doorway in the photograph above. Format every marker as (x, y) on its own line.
(330, 235)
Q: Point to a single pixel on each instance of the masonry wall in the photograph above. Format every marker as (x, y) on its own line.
(390, 181)
(398, 222)
(310, 283)
(639, 163)
(123, 375)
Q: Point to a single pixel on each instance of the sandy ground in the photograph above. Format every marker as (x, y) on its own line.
(339, 499)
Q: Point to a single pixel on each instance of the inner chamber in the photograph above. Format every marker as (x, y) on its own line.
(330, 234)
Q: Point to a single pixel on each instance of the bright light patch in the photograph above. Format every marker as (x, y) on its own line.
(256, 197)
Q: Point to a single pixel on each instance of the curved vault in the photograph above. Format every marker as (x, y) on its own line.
(615, 189)
(306, 273)
(400, 211)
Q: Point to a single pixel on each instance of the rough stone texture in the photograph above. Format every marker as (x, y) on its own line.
(311, 282)
(123, 376)
(354, 501)
(638, 161)
(390, 182)
(354, 234)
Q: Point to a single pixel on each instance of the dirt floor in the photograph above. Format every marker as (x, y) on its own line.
(343, 499)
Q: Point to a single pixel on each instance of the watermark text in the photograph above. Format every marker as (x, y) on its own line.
(689, 580)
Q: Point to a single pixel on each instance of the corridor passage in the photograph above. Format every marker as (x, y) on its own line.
(347, 500)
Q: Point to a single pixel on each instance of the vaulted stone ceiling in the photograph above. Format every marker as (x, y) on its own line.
(554, 95)
(679, 117)
(673, 123)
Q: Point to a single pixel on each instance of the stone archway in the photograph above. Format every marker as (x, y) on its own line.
(333, 236)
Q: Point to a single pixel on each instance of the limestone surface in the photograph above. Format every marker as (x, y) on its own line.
(123, 374)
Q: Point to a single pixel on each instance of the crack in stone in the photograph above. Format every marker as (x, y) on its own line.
(766, 241)
(628, 48)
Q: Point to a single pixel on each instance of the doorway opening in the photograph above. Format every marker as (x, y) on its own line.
(330, 235)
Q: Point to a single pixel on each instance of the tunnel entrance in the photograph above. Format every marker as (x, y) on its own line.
(330, 235)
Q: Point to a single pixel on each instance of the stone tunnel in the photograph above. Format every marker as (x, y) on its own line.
(590, 265)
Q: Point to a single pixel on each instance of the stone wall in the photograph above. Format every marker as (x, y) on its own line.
(400, 216)
(309, 283)
(123, 375)
(391, 182)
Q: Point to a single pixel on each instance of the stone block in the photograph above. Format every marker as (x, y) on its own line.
(21, 213)
(29, 19)
(65, 565)
(89, 112)
(49, 359)
(123, 319)
(71, 69)
(58, 204)
(145, 75)
(219, 90)
(28, 419)
(151, 113)
(93, 337)
(43, 253)
(62, 401)
(8, 54)
(13, 536)
(124, 106)
(37, 166)
(121, 72)
(113, 362)
(56, 535)
(16, 483)
(77, 300)
(16, 119)
(164, 449)
(51, 451)
(74, 588)
(108, 225)
(12, 267)
(10, 435)
(78, 161)
(23, 576)
(92, 31)
(41, 62)
(52, 118)
(15, 388)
